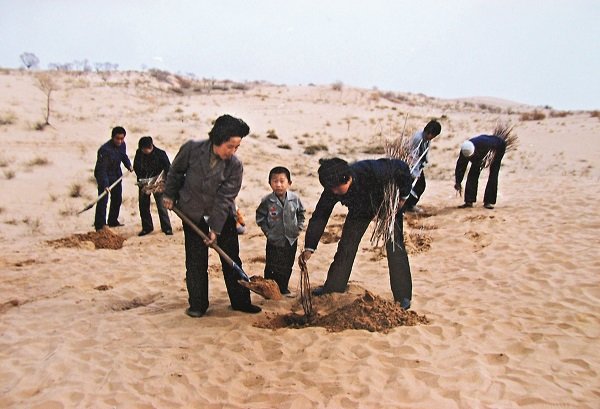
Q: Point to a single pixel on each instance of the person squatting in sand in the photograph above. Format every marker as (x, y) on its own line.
(150, 162)
(360, 187)
(420, 151)
(475, 151)
(203, 182)
(107, 171)
(280, 216)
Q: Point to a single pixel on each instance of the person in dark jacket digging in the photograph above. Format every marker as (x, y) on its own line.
(150, 162)
(360, 187)
(203, 182)
(107, 171)
(475, 151)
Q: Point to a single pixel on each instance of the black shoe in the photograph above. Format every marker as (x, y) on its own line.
(488, 205)
(194, 313)
(144, 232)
(119, 224)
(169, 232)
(249, 308)
(404, 304)
(466, 205)
(318, 291)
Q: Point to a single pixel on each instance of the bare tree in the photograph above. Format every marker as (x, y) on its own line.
(46, 84)
(30, 60)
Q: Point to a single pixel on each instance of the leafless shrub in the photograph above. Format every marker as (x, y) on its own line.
(75, 190)
(595, 114)
(337, 86)
(9, 174)
(160, 75)
(374, 150)
(533, 116)
(559, 114)
(184, 83)
(7, 118)
(271, 134)
(29, 60)
(38, 161)
(46, 84)
(284, 146)
(312, 149)
(240, 87)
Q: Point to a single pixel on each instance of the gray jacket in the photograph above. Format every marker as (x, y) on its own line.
(198, 190)
(281, 221)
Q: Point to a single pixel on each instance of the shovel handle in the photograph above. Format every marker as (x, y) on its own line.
(88, 207)
(218, 249)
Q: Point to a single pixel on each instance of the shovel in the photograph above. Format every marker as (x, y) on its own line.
(265, 288)
(88, 207)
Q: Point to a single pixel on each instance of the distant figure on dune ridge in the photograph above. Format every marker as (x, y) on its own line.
(203, 182)
(280, 215)
(107, 171)
(360, 187)
(482, 151)
(150, 162)
(420, 151)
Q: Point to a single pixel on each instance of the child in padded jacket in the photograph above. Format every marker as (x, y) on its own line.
(280, 216)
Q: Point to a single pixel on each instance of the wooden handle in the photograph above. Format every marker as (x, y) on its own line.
(203, 235)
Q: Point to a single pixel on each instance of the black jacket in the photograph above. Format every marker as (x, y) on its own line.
(363, 199)
(148, 166)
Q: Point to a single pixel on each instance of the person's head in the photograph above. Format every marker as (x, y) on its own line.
(335, 174)
(118, 135)
(226, 135)
(432, 129)
(467, 149)
(280, 180)
(145, 144)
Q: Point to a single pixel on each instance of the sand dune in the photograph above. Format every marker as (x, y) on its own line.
(511, 295)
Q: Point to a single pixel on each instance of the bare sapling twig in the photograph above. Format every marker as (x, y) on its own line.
(503, 131)
(399, 148)
(46, 84)
(305, 293)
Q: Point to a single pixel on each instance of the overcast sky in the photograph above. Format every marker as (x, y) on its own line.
(539, 52)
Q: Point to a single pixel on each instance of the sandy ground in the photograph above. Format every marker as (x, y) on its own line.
(511, 294)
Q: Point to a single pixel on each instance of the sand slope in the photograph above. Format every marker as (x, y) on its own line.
(512, 294)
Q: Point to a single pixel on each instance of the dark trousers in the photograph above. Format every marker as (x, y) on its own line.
(491, 188)
(116, 198)
(341, 267)
(416, 192)
(196, 264)
(279, 263)
(163, 213)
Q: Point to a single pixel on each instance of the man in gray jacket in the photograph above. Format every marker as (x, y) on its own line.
(203, 182)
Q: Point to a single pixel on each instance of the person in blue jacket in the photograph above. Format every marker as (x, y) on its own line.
(107, 171)
(475, 150)
(360, 187)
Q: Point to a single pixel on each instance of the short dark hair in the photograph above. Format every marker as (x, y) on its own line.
(334, 172)
(145, 142)
(117, 130)
(433, 128)
(278, 170)
(225, 127)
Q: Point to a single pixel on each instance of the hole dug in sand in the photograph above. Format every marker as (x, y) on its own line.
(101, 239)
(355, 309)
